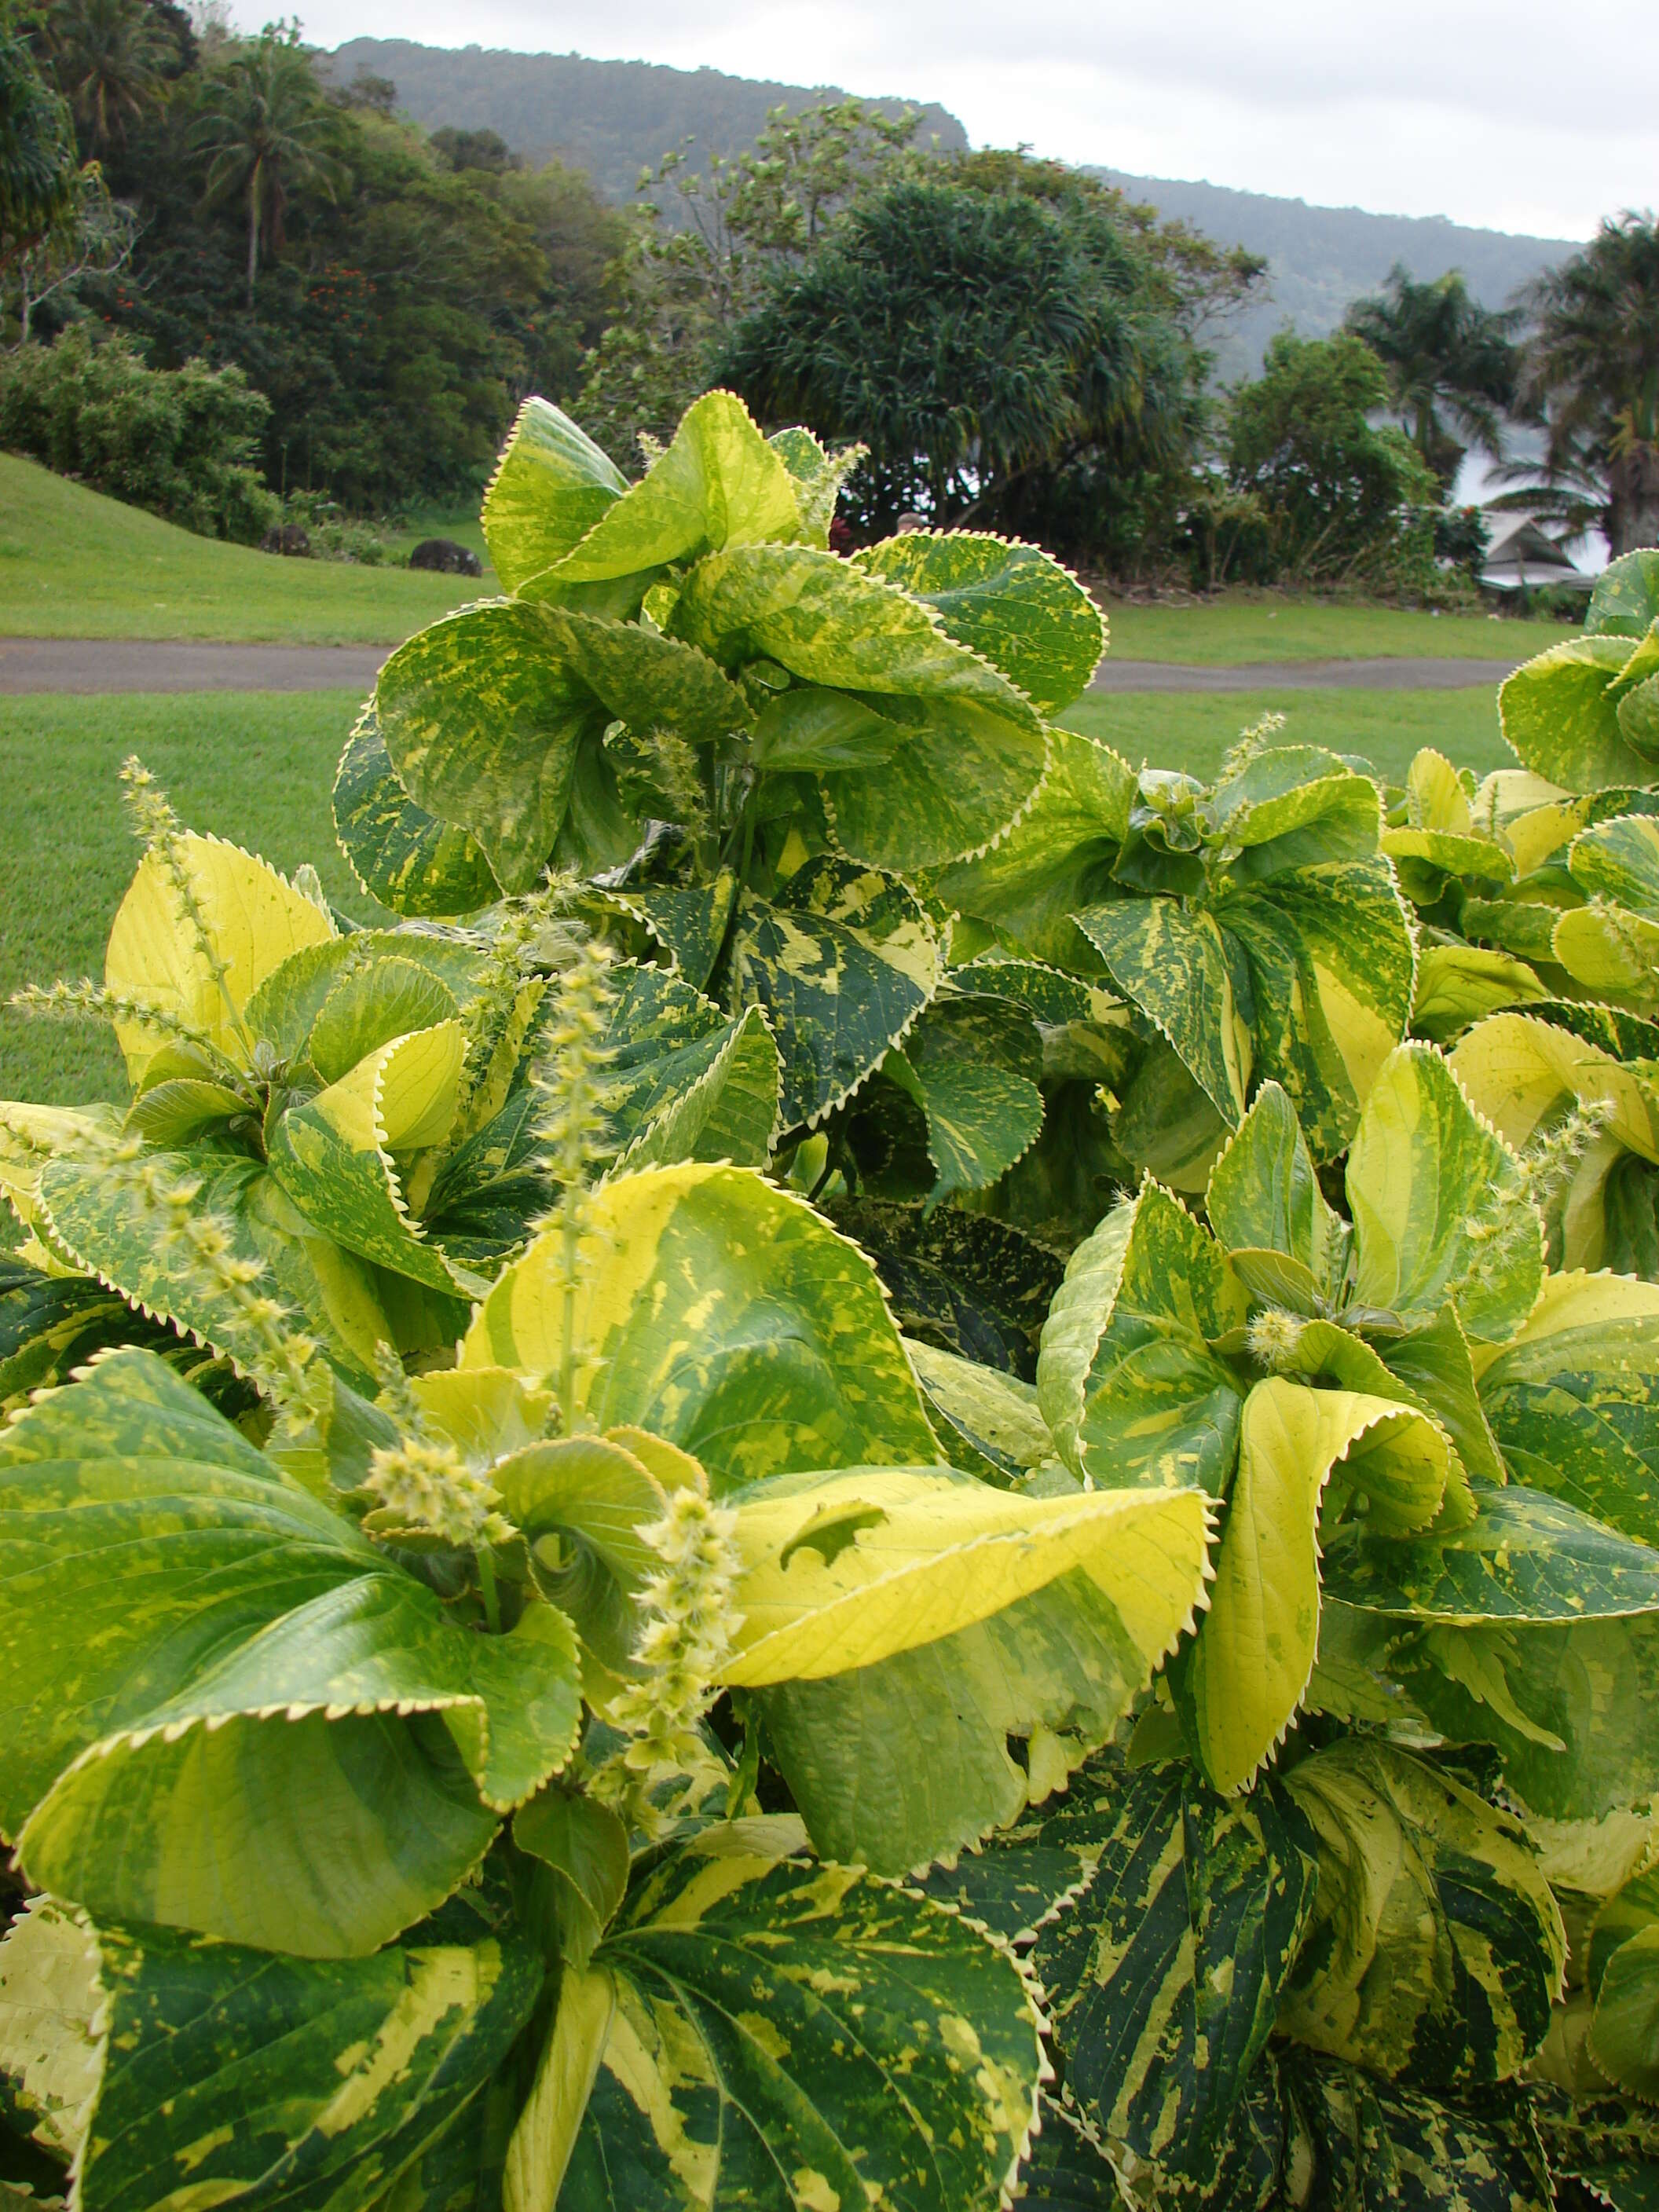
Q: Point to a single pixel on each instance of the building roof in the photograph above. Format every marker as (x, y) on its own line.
(1521, 555)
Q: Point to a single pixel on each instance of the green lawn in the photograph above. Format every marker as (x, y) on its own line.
(1192, 730)
(74, 564)
(257, 767)
(462, 524)
(1252, 626)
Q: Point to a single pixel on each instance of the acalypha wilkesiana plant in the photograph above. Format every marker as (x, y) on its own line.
(880, 1465)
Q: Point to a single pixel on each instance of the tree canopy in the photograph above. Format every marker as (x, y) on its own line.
(1593, 372)
(983, 334)
(1451, 364)
(394, 297)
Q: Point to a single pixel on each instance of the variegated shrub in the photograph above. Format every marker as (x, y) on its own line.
(882, 1465)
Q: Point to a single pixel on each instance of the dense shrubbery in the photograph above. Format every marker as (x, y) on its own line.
(887, 1436)
(393, 300)
(183, 442)
(1334, 496)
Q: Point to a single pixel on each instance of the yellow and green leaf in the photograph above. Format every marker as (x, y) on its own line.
(1440, 1206)
(1255, 1652)
(842, 959)
(1437, 1947)
(216, 1657)
(1573, 1399)
(1128, 1377)
(715, 1311)
(402, 855)
(788, 2035)
(238, 2077)
(1011, 603)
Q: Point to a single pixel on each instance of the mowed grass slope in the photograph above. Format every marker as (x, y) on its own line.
(257, 767)
(76, 564)
(1244, 626)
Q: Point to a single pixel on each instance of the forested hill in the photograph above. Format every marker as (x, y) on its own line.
(612, 119)
(1322, 257)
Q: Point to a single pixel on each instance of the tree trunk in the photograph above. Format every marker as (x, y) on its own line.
(1633, 500)
(253, 213)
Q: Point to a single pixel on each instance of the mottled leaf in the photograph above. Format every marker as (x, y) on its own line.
(1179, 969)
(786, 2035)
(689, 925)
(1439, 1204)
(1588, 1687)
(1457, 985)
(581, 1501)
(840, 1571)
(1163, 1980)
(718, 483)
(49, 2056)
(112, 1235)
(1527, 1557)
(333, 1154)
(976, 1060)
(1256, 1648)
(972, 748)
(1436, 1947)
(683, 1080)
(400, 855)
(551, 485)
(1378, 2148)
(1625, 600)
(584, 1847)
(1559, 713)
(1624, 2033)
(1064, 2171)
(970, 1285)
(241, 1602)
(1573, 1399)
(250, 920)
(717, 1312)
(1009, 602)
(994, 1414)
(1265, 1206)
(243, 2076)
(817, 477)
(1329, 956)
(1058, 857)
(906, 1762)
(484, 716)
(1126, 1377)
(842, 959)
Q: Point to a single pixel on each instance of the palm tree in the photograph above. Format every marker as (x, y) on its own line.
(107, 56)
(1592, 371)
(37, 176)
(1451, 364)
(262, 127)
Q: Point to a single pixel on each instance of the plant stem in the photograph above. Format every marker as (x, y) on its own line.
(487, 1589)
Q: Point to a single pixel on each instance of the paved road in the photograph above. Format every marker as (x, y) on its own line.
(51, 663)
(69, 664)
(1302, 676)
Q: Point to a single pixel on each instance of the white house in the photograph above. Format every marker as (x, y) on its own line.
(1520, 557)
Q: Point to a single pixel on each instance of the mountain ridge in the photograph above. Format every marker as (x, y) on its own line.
(614, 118)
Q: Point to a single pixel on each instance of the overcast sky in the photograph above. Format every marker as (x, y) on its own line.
(1529, 115)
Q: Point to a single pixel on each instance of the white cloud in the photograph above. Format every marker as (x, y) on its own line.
(1506, 113)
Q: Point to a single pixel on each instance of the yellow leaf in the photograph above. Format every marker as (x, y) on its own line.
(844, 1571)
(1255, 1652)
(253, 919)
